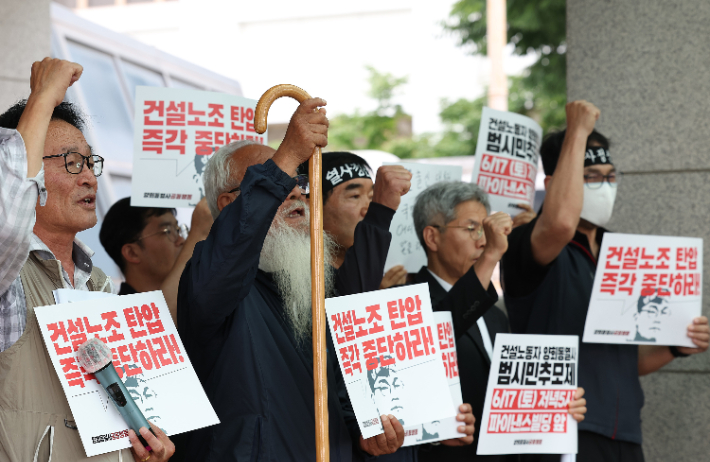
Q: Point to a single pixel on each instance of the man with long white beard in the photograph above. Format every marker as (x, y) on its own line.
(244, 308)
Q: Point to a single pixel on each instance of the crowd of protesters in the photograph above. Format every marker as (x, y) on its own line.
(237, 284)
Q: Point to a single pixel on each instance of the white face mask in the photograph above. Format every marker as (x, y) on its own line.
(598, 204)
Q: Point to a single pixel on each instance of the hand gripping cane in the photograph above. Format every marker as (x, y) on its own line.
(320, 379)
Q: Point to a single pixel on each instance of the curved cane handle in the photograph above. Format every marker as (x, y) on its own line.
(271, 95)
(320, 379)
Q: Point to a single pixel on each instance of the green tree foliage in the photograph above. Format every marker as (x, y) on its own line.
(533, 27)
(386, 125)
(540, 93)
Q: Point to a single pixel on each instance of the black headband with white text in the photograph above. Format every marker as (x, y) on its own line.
(596, 155)
(340, 167)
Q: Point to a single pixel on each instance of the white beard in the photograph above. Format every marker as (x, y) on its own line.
(286, 254)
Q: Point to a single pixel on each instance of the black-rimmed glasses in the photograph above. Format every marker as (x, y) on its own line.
(74, 162)
(596, 180)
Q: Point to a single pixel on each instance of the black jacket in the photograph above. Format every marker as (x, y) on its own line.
(232, 323)
(474, 365)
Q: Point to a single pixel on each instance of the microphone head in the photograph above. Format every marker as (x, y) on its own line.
(94, 355)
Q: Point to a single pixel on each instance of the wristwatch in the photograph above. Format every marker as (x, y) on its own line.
(677, 353)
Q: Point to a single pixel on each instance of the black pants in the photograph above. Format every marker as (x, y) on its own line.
(595, 448)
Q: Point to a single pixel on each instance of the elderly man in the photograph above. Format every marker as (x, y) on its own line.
(463, 244)
(48, 195)
(244, 308)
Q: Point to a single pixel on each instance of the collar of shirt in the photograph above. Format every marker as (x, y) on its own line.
(581, 240)
(482, 327)
(444, 285)
(81, 255)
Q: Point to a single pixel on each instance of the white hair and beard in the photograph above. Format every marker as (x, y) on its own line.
(286, 254)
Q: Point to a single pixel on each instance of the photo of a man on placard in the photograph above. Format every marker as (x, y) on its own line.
(145, 396)
(649, 317)
(387, 390)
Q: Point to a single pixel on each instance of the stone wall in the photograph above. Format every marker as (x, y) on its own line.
(25, 32)
(646, 65)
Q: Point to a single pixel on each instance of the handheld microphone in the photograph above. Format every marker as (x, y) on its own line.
(96, 358)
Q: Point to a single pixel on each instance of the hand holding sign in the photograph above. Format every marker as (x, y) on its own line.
(395, 276)
(466, 417)
(578, 407)
(392, 182)
(307, 130)
(387, 442)
(161, 448)
(699, 333)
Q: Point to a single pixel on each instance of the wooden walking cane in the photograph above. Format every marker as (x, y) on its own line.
(320, 379)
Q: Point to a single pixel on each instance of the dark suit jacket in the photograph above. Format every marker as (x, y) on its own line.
(474, 365)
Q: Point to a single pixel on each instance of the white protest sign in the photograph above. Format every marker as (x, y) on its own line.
(430, 432)
(148, 355)
(647, 290)
(176, 131)
(387, 349)
(405, 248)
(507, 155)
(533, 378)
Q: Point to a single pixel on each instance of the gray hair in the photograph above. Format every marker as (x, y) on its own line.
(440, 200)
(218, 174)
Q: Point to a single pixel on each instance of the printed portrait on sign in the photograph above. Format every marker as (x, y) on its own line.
(145, 396)
(651, 312)
(387, 389)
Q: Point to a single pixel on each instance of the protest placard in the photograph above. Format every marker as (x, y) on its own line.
(176, 131)
(387, 348)
(647, 290)
(405, 248)
(533, 378)
(437, 430)
(507, 155)
(148, 355)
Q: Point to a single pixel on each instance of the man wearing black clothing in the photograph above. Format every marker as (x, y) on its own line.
(463, 243)
(548, 274)
(144, 242)
(358, 216)
(244, 309)
(150, 248)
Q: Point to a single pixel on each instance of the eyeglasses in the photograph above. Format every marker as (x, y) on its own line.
(475, 231)
(596, 180)
(74, 162)
(301, 182)
(172, 232)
